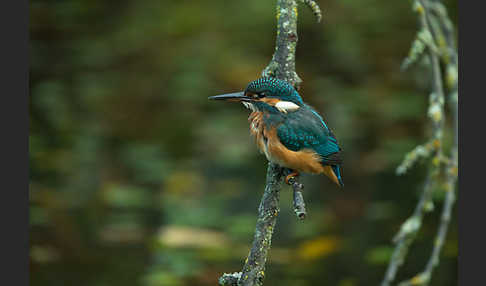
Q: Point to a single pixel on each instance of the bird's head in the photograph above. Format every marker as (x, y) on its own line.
(266, 94)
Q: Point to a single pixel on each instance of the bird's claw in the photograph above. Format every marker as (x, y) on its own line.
(290, 179)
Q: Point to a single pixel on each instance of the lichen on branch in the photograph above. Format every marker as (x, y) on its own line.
(281, 66)
(434, 40)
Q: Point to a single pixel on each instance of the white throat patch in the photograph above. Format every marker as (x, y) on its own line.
(282, 106)
(286, 106)
(249, 106)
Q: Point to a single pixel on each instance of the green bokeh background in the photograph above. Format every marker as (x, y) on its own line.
(137, 179)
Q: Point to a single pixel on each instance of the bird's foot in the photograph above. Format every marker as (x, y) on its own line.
(290, 179)
(299, 205)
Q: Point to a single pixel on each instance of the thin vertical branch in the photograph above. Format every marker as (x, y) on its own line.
(408, 232)
(448, 203)
(282, 66)
(436, 39)
(424, 277)
(444, 33)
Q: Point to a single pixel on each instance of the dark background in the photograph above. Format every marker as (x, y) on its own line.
(137, 179)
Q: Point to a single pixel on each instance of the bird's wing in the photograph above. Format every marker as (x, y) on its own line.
(307, 130)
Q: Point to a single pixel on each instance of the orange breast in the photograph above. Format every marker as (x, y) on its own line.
(256, 129)
(270, 145)
(305, 160)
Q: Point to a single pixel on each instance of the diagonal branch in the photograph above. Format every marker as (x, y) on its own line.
(281, 66)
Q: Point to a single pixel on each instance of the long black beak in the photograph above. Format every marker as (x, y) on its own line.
(237, 96)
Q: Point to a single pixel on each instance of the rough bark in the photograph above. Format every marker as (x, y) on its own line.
(282, 66)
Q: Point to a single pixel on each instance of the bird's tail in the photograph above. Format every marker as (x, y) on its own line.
(334, 173)
(337, 172)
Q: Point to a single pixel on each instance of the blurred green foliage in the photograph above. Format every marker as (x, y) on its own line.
(136, 179)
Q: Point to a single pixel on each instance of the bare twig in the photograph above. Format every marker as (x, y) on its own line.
(229, 279)
(315, 9)
(281, 66)
(299, 204)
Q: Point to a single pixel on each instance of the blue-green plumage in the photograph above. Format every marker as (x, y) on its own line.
(305, 129)
(275, 87)
(299, 127)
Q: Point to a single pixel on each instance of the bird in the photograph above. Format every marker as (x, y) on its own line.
(288, 131)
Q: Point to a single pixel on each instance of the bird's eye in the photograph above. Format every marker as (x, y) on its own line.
(261, 94)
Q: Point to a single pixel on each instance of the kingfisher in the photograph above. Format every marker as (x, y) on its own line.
(287, 130)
